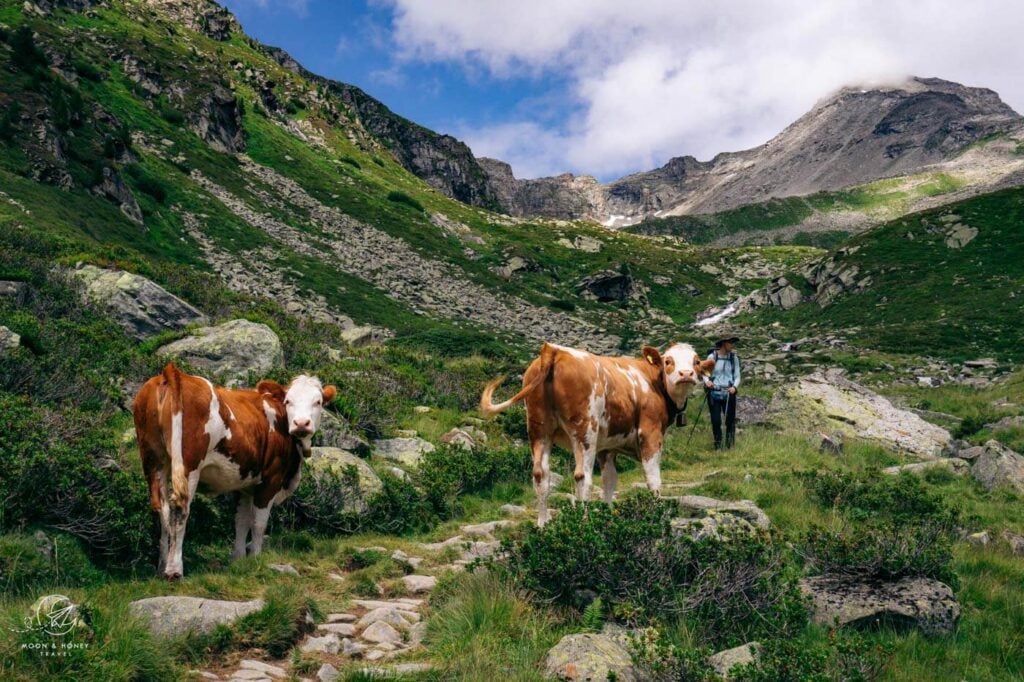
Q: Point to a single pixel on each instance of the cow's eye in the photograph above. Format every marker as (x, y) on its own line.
(287, 402)
(316, 404)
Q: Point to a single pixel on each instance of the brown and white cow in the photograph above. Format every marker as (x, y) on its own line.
(597, 407)
(251, 442)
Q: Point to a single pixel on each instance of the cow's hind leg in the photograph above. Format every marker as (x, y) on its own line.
(609, 476)
(243, 525)
(541, 448)
(177, 520)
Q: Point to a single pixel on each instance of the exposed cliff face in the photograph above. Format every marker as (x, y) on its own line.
(855, 136)
(563, 196)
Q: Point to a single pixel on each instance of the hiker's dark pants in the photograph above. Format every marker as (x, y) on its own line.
(716, 406)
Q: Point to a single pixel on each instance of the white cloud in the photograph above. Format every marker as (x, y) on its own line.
(662, 78)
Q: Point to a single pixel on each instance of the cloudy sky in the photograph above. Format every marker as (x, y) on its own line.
(608, 87)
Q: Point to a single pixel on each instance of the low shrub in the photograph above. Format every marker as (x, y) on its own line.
(845, 657)
(403, 198)
(450, 472)
(350, 161)
(889, 527)
(731, 590)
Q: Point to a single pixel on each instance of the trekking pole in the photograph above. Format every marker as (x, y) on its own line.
(696, 421)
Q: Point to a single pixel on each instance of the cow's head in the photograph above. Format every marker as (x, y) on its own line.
(681, 369)
(303, 401)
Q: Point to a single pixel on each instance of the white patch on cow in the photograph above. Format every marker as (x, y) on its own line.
(215, 426)
(578, 354)
(609, 478)
(177, 461)
(223, 474)
(640, 379)
(260, 517)
(652, 472)
(271, 414)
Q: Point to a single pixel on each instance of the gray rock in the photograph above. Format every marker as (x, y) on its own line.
(360, 337)
(419, 583)
(417, 633)
(391, 616)
(382, 632)
(405, 451)
(328, 644)
(724, 661)
(114, 188)
(327, 673)
(8, 340)
(336, 461)
(485, 529)
(233, 350)
(980, 539)
(140, 306)
(512, 509)
(264, 668)
(828, 401)
(16, 291)
(458, 438)
(956, 465)
(699, 506)
(832, 444)
(340, 629)
(750, 410)
(591, 657)
(1015, 541)
(911, 602)
(999, 467)
(287, 569)
(351, 649)
(176, 615)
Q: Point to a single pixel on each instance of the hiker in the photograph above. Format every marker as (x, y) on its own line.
(721, 387)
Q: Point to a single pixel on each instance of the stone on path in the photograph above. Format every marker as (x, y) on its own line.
(175, 615)
(265, 668)
(382, 632)
(328, 644)
(340, 629)
(419, 583)
(327, 673)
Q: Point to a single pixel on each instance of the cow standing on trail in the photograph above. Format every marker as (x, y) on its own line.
(597, 407)
(251, 442)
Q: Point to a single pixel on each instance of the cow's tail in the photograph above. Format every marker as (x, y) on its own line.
(174, 404)
(488, 408)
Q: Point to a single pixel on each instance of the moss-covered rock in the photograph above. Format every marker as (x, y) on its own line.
(233, 350)
(591, 657)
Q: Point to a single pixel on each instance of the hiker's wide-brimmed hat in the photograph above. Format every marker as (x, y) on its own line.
(726, 336)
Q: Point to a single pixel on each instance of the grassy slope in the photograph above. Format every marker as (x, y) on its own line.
(876, 201)
(927, 298)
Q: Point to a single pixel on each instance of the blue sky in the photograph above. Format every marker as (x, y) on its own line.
(609, 87)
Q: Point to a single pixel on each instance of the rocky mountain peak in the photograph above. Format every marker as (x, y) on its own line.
(202, 16)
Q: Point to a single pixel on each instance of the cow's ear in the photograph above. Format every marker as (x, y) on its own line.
(329, 393)
(705, 367)
(271, 388)
(652, 355)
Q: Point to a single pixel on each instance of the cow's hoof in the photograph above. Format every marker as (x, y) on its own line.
(172, 575)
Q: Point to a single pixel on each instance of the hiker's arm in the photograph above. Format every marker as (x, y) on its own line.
(736, 379)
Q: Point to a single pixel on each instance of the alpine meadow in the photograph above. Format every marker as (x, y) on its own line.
(295, 388)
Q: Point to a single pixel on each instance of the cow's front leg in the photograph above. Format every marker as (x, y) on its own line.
(260, 518)
(243, 525)
(541, 448)
(650, 459)
(609, 477)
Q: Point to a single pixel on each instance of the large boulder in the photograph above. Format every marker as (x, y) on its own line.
(232, 350)
(142, 307)
(337, 461)
(407, 451)
(828, 401)
(591, 657)
(999, 467)
(911, 602)
(173, 616)
(750, 410)
(698, 506)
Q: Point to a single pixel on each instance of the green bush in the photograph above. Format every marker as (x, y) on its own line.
(845, 657)
(447, 473)
(729, 590)
(350, 161)
(559, 304)
(890, 527)
(25, 54)
(403, 198)
(147, 183)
